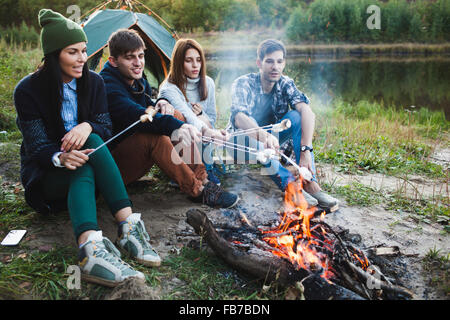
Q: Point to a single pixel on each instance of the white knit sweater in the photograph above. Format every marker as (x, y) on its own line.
(176, 98)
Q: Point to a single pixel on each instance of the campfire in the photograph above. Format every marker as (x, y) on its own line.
(298, 248)
(306, 243)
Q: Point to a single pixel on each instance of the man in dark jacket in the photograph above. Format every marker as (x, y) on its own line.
(129, 97)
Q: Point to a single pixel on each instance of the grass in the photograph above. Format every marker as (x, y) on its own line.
(360, 137)
(42, 275)
(15, 62)
(421, 208)
(205, 277)
(14, 212)
(436, 266)
(370, 137)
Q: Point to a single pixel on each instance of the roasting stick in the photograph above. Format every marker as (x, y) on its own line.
(261, 155)
(278, 127)
(231, 145)
(304, 172)
(145, 117)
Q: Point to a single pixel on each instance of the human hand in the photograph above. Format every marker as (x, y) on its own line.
(306, 160)
(217, 135)
(187, 134)
(196, 108)
(74, 159)
(165, 107)
(271, 142)
(76, 138)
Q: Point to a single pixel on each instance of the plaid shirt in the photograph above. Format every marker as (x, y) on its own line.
(247, 90)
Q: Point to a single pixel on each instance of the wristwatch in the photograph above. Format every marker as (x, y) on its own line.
(304, 148)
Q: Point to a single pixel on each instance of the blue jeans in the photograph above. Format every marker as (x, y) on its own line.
(279, 174)
(295, 132)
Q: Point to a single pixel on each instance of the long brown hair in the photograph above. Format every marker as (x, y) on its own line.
(176, 73)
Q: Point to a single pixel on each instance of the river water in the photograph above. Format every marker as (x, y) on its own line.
(400, 82)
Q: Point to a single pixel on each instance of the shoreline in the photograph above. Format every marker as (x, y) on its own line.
(337, 50)
(246, 41)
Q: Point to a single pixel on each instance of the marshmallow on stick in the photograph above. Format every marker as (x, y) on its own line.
(305, 173)
(283, 125)
(149, 116)
(266, 155)
(145, 117)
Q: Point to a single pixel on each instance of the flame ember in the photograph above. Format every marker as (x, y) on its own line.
(302, 240)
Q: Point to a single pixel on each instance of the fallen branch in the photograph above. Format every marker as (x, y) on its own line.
(377, 283)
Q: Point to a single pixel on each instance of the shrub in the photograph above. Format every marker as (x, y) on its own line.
(341, 20)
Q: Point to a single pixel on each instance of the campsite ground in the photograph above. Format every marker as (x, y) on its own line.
(36, 268)
(389, 168)
(383, 209)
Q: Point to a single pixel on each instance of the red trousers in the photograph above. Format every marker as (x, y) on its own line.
(138, 153)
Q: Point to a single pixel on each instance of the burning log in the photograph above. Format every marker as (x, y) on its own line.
(264, 265)
(298, 249)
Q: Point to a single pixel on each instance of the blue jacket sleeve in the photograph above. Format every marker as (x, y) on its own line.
(124, 111)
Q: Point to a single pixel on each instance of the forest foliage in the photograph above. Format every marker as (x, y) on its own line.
(322, 21)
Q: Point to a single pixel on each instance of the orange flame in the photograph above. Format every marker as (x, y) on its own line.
(298, 245)
(304, 246)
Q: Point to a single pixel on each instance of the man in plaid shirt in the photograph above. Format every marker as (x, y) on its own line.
(268, 97)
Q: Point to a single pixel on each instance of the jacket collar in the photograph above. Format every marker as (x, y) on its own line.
(115, 73)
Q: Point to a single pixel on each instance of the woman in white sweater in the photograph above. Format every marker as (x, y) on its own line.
(188, 88)
(192, 92)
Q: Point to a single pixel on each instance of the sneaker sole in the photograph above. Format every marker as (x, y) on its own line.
(237, 200)
(331, 209)
(334, 208)
(143, 262)
(103, 282)
(148, 263)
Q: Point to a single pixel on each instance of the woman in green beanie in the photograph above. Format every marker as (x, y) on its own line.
(62, 114)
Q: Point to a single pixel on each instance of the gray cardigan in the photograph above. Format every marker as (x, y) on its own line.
(176, 98)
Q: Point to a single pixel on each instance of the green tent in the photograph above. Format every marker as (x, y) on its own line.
(159, 42)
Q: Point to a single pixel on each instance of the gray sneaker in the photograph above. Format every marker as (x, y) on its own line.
(312, 202)
(135, 241)
(100, 262)
(300, 202)
(326, 201)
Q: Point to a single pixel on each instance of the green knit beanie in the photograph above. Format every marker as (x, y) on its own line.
(58, 32)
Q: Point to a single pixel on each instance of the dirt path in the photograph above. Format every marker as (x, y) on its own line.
(412, 186)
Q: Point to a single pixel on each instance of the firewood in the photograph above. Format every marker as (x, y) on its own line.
(265, 265)
(377, 283)
(387, 251)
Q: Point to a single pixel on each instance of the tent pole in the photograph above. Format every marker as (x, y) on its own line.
(156, 15)
(96, 8)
